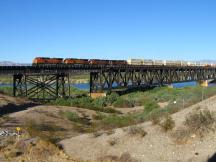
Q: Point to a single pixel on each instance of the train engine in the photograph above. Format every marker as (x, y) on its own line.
(47, 61)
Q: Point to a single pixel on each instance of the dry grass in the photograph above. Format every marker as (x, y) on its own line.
(168, 124)
(125, 157)
(113, 141)
(137, 130)
(196, 124)
(201, 122)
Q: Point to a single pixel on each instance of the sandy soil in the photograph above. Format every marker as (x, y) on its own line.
(156, 146)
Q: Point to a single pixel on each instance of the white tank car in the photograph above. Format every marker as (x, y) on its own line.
(135, 61)
(191, 63)
(148, 62)
(184, 63)
(173, 63)
(159, 62)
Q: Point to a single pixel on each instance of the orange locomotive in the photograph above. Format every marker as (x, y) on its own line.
(47, 60)
(76, 61)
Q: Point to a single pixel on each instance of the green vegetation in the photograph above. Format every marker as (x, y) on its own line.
(6, 79)
(77, 91)
(123, 103)
(150, 106)
(72, 116)
(85, 102)
(150, 100)
(6, 90)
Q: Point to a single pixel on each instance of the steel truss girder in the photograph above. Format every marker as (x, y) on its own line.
(111, 78)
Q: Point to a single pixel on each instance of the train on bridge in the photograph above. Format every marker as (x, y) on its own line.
(76, 61)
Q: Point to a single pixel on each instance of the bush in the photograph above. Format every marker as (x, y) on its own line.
(150, 106)
(168, 124)
(123, 103)
(72, 116)
(99, 102)
(137, 130)
(110, 99)
(200, 122)
(83, 102)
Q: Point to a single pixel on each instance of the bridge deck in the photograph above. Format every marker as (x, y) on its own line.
(91, 68)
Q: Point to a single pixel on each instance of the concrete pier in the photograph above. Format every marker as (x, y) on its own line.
(203, 83)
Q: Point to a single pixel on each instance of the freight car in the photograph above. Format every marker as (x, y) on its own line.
(98, 62)
(117, 62)
(135, 62)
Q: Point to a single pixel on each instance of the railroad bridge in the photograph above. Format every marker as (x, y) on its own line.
(52, 81)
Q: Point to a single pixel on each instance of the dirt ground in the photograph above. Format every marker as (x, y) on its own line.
(156, 146)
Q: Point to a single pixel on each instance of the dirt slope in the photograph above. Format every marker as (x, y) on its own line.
(156, 146)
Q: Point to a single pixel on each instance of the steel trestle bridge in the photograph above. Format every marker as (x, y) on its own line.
(51, 81)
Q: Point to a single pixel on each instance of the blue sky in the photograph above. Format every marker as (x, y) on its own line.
(109, 29)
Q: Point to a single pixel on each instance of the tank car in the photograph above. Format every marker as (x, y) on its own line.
(159, 62)
(148, 62)
(184, 63)
(173, 63)
(135, 61)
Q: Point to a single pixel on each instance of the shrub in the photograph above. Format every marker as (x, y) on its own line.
(168, 124)
(150, 105)
(110, 99)
(123, 103)
(137, 130)
(72, 116)
(85, 102)
(61, 102)
(200, 122)
(99, 102)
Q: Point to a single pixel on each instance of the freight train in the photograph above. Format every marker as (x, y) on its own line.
(75, 61)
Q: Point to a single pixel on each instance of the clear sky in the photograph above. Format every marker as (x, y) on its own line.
(110, 29)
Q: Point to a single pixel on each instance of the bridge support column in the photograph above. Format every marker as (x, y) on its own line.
(41, 86)
(203, 83)
(19, 85)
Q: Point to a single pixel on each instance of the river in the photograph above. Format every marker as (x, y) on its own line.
(85, 86)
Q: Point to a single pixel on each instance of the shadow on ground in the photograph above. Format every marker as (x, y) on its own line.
(212, 159)
(10, 108)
